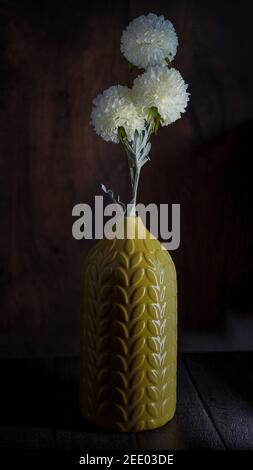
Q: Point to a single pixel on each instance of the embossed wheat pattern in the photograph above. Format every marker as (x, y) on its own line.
(129, 331)
(96, 329)
(158, 372)
(129, 374)
(142, 336)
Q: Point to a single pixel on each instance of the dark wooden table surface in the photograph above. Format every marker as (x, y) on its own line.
(39, 407)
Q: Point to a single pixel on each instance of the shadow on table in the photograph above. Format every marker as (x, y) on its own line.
(45, 394)
(41, 393)
(26, 392)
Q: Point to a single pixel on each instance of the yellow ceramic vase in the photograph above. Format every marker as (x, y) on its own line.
(128, 332)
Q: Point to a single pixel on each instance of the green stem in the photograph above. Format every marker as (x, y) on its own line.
(131, 170)
(135, 186)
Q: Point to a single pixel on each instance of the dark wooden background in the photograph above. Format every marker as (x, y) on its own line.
(54, 58)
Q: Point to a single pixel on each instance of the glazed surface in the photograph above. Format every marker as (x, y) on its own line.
(128, 335)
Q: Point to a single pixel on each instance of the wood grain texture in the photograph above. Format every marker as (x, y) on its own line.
(39, 407)
(54, 58)
(226, 389)
(191, 427)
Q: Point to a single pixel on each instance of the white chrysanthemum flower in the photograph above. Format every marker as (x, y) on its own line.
(164, 89)
(115, 108)
(149, 40)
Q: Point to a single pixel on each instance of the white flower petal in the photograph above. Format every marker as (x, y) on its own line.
(164, 89)
(148, 40)
(115, 108)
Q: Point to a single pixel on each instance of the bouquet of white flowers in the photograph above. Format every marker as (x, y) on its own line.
(158, 96)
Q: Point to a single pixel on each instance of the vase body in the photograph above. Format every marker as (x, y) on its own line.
(128, 334)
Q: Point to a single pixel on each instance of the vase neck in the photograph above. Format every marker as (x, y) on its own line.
(132, 227)
(131, 210)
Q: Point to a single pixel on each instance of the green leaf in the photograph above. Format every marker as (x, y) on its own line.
(122, 134)
(149, 116)
(157, 124)
(154, 114)
(168, 61)
(154, 111)
(130, 67)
